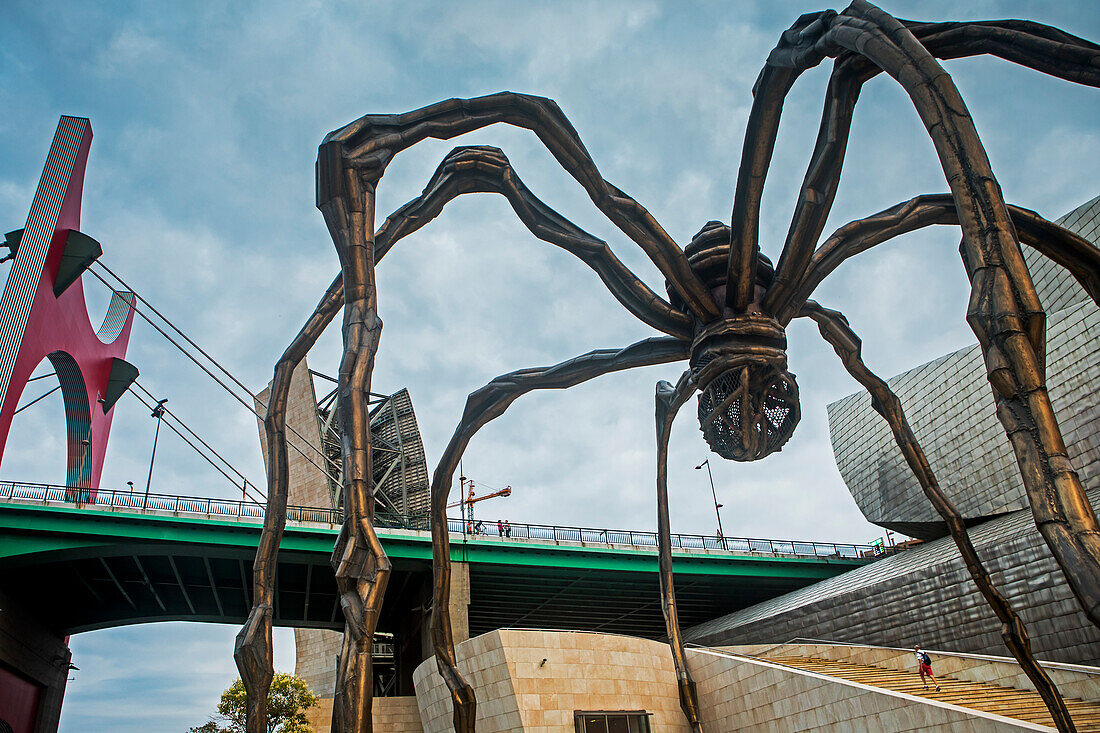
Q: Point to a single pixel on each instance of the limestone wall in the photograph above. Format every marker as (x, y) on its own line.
(516, 691)
(389, 714)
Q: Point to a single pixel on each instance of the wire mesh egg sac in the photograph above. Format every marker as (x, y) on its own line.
(749, 411)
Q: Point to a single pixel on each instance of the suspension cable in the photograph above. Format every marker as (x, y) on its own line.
(227, 388)
(197, 437)
(177, 330)
(37, 399)
(202, 351)
(185, 439)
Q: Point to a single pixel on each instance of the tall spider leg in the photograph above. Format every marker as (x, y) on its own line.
(1034, 45)
(370, 143)
(763, 126)
(346, 198)
(1004, 311)
(482, 406)
(835, 330)
(464, 170)
(252, 649)
(669, 400)
(350, 164)
(487, 170)
(1068, 249)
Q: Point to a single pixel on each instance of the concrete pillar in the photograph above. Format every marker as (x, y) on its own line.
(460, 602)
(34, 667)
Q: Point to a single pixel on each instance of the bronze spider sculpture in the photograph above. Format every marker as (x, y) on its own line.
(726, 314)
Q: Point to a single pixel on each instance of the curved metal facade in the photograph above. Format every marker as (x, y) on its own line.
(950, 406)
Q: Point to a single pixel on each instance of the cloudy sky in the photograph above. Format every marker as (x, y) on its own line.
(200, 186)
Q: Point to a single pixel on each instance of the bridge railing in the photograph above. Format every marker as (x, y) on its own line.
(92, 498)
(637, 538)
(87, 498)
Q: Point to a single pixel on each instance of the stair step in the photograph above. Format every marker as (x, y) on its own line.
(1009, 702)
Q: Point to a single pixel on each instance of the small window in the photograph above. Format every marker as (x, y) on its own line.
(612, 721)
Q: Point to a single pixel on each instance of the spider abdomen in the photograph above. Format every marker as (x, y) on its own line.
(748, 401)
(708, 254)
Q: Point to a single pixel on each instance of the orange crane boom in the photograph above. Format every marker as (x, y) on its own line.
(506, 491)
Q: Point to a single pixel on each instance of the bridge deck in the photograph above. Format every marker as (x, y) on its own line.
(83, 567)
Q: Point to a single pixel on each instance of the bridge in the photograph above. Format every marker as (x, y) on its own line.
(122, 557)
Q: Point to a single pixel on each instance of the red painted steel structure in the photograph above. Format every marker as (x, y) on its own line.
(57, 326)
(18, 701)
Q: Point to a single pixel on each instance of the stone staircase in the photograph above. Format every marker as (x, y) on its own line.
(1007, 701)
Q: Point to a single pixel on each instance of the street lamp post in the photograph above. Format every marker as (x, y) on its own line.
(83, 494)
(717, 506)
(158, 413)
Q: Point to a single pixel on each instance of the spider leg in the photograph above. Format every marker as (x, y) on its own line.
(767, 106)
(358, 560)
(488, 170)
(482, 406)
(252, 649)
(1004, 311)
(1034, 45)
(465, 170)
(1040, 47)
(1079, 256)
(669, 399)
(835, 330)
(819, 187)
(350, 164)
(370, 143)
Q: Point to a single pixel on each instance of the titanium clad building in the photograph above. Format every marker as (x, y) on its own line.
(950, 406)
(925, 595)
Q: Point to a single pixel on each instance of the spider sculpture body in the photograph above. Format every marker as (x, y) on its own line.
(725, 315)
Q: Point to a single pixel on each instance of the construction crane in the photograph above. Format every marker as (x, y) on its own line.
(469, 499)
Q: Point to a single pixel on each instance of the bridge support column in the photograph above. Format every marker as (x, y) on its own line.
(34, 666)
(460, 619)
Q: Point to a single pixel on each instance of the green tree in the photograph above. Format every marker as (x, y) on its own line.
(287, 703)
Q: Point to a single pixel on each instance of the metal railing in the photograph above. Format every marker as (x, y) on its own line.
(636, 538)
(112, 498)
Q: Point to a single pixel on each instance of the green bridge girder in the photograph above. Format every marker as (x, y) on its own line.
(81, 569)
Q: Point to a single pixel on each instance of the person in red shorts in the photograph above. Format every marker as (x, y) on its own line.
(924, 668)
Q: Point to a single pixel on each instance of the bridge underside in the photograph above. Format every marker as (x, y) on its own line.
(79, 570)
(71, 595)
(618, 602)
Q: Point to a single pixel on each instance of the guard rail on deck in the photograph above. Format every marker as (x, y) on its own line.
(94, 498)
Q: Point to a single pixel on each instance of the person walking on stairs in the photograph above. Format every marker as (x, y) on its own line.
(924, 668)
